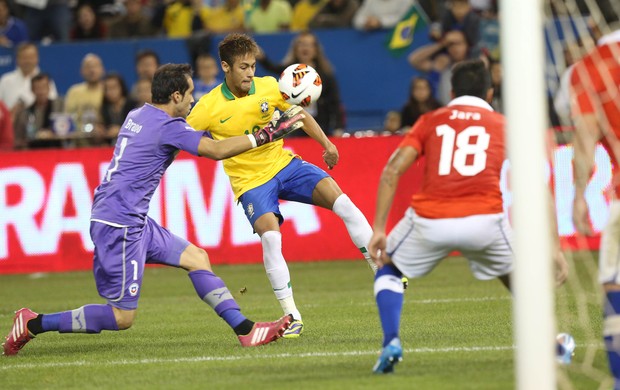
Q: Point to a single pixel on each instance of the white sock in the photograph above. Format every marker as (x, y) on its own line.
(277, 272)
(358, 227)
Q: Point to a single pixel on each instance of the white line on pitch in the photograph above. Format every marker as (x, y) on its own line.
(198, 359)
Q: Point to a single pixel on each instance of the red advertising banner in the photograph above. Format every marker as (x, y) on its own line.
(46, 197)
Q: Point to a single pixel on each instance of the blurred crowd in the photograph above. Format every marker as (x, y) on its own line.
(33, 114)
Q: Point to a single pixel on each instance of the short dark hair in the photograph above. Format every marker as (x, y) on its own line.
(121, 83)
(147, 53)
(472, 78)
(168, 79)
(236, 45)
(38, 77)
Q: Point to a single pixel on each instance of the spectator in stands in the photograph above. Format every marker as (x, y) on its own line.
(421, 101)
(270, 16)
(437, 59)
(303, 12)
(143, 92)
(52, 22)
(12, 30)
(392, 125)
(380, 14)
(133, 24)
(305, 48)
(83, 100)
(184, 17)
(115, 106)
(15, 89)
(459, 15)
(206, 78)
(147, 62)
(87, 25)
(34, 125)
(6, 129)
(227, 17)
(335, 13)
(495, 68)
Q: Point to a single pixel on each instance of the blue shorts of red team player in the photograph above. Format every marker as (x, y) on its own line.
(295, 182)
(120, 255)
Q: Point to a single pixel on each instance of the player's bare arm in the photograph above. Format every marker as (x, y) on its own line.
(312, 128)
(587, 134)
(398, 164)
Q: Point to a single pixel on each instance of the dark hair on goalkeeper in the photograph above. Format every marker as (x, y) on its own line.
(471, 78)
(168, 79)
(236, 45)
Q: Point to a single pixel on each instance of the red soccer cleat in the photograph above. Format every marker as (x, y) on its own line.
(19, 335)
(265, 332)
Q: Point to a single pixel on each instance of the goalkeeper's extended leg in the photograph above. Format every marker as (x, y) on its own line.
(86, 319)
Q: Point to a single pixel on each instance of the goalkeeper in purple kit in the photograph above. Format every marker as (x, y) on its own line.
(126, 238)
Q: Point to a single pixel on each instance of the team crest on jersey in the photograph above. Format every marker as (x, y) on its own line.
(264, 106)
(250, 210)
(133, 289)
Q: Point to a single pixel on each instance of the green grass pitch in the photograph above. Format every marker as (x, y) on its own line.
(456, 332)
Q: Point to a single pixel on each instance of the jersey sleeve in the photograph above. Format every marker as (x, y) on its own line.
(180, 135)
(198, 117)
(415, 136)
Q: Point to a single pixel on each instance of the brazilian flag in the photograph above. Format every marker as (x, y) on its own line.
(402, 36)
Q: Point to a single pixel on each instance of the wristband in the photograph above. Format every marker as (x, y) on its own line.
(252, 140)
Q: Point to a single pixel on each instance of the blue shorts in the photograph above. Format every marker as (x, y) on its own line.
(295, 182)
(120, 255)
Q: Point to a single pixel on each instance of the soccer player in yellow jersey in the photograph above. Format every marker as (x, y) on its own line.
(262, 176)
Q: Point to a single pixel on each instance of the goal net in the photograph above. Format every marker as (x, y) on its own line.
(572, 29)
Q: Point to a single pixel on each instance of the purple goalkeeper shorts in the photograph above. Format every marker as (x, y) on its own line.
(120, 255)
(295, 182)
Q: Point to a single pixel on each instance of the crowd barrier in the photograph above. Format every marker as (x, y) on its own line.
(46, 196)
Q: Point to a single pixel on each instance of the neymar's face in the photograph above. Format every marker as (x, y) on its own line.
(239, 75)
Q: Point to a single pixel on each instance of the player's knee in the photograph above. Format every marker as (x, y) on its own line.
(195, 259)
(200, 260)
(124, 318)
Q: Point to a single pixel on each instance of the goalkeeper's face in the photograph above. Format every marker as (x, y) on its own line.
(239, 76)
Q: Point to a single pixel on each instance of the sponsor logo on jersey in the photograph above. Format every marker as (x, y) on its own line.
(225, 119)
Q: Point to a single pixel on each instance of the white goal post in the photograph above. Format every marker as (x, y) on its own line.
(523, 58)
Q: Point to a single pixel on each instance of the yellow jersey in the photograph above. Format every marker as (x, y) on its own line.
(224, 115)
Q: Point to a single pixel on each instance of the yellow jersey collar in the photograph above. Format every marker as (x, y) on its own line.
(229, 95)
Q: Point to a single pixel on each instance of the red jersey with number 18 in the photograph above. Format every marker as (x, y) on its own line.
(464, 148)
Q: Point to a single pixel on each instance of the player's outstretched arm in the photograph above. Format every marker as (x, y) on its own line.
(330, 152)
(290, 121)
(398, 164)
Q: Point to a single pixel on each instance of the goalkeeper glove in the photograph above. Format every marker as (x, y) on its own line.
(280, 126)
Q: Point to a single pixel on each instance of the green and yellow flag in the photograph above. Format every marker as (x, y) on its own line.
(402, 36)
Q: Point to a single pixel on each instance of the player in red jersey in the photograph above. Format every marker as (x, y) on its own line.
(459, 207)
(595, 104)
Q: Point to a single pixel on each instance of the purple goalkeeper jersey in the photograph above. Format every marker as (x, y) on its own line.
(147, 144)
